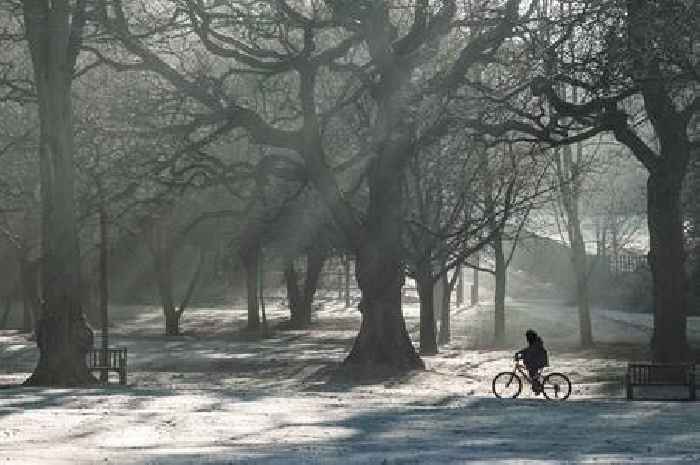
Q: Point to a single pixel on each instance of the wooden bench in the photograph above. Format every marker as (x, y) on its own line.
(106, 360)
(660, 375)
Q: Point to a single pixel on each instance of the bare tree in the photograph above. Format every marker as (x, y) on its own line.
(165, 238)
(449, 219)
(526, 168)
(569, 176)
(305, 240)
(631, 77)
(19, 205)
(615, 200)
(370, 50)
(54, 32)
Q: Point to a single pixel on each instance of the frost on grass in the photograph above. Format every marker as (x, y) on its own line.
(215, 396)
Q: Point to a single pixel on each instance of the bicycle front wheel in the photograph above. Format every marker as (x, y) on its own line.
(507, 385)
(556, 386)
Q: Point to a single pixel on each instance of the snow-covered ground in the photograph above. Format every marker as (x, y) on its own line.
(218, 396)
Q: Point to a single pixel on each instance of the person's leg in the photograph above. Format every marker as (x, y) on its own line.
(534, 374)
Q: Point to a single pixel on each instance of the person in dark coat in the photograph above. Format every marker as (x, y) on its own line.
(534, 356)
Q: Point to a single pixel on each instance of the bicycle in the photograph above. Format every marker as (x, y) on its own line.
(507, 384)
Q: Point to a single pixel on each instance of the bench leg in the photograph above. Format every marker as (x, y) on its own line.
(628, 387)
(122, 376)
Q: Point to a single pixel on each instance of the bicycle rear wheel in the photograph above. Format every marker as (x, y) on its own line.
(556, 386)
(507, 385)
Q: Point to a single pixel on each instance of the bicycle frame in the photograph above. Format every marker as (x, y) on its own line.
(519, 369)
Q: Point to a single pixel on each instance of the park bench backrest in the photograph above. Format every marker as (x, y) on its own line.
(648, 373)
(111, 359)
(115, 357)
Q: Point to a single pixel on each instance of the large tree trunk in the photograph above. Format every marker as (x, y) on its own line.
(383, 345)
(250, 259)
(499, 329)
(426, 295)
(667, 167)
(63, 335)
(666, 260)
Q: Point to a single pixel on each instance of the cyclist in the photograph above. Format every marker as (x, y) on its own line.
(534, 356)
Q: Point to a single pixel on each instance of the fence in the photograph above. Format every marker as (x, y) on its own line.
(626, 263)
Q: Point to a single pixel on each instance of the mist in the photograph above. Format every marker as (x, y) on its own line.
(316, 203)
